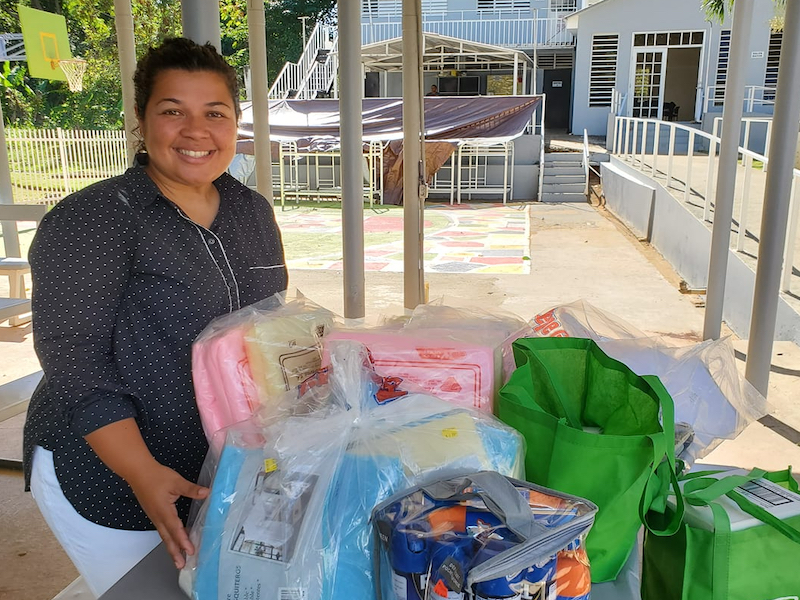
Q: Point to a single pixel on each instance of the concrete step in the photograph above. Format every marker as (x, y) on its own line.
(559, 170)
(558, 178)
(567, 197)
(564, 157)
(563, 188)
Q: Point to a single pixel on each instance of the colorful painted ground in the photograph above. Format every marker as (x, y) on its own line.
(465, 238)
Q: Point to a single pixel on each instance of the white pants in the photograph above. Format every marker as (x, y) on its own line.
(102, 555)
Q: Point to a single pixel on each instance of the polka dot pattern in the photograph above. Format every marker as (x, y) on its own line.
(123, 282)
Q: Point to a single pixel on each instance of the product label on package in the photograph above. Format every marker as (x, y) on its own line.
(291, 594)
(768, 495)
(270, 526)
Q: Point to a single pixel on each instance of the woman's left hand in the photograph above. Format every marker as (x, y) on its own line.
(158, 488)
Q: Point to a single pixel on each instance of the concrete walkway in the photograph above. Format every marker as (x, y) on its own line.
(576, 251)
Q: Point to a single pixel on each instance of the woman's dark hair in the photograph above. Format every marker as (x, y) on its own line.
(184, 55)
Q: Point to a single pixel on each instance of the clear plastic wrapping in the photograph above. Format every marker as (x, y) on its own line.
(292, 495)
(482, 536)
(713, 402)
(461, 356)
(244, 363)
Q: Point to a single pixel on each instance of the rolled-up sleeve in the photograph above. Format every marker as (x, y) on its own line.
(80, 263)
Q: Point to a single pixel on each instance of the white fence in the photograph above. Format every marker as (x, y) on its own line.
(685, 160)
(48, 164)
(755, 96)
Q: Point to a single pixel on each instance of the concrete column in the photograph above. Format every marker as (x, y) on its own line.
(200, 19)
(726, 171)
(413, 156)
(775, 213)
(256, 28)
(123, 19)
(352, 133)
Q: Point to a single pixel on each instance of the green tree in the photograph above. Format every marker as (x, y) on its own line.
(90, 25)
(717, 9)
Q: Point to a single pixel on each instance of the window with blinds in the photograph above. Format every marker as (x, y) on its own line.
(603, 73)
(394, 8)
(563, 7)
(722, 66)
(773, 60)
(500, 5)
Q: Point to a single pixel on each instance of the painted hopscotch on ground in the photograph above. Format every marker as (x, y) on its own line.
(467, 238)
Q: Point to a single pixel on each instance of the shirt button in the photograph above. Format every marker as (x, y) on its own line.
(210, 241)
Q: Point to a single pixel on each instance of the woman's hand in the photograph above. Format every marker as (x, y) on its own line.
(158, 488)
(121, 447)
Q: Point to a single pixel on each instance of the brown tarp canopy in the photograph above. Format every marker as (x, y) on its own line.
(447, 118)
(448, 121)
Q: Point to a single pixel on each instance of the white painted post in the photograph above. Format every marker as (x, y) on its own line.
(689, 159)
(791, 239)
(747, 162)
(775, 216)
(656, 144)
(726, 176)
(670, 154)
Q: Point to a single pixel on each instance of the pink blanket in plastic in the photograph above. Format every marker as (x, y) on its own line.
(223, 382)
(460, 373)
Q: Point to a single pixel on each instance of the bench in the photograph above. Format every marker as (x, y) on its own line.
(12, 265)
(14, 399)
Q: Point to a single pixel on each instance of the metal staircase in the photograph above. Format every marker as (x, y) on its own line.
(564, 177)
(314, 75)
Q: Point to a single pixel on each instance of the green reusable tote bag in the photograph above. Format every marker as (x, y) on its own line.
(715, 563)
(592, 429)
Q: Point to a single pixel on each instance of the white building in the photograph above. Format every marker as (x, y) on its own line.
(634, 57)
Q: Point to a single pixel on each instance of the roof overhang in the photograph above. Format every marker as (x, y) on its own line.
(442, 53)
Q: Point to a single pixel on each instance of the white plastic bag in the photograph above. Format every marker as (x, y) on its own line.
(713, 402)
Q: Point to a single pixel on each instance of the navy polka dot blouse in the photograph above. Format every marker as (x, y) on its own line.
(123, 282)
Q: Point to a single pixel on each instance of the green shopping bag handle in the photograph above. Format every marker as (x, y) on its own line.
(701, 490)
(663, 475)
(704, 490)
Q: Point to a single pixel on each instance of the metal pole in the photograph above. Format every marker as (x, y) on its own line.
(726, 169)
(516, 75)
(200, 19)
(10, 238)
(256, 27)
(350, 105)
(535, 46)
(303, 21)
(775, 213)
(413, 156)
(123, 18)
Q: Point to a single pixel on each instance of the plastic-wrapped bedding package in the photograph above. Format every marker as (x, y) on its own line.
(290, 502)
(713, 402)
(460, 356)
(244, 362)
(482, 536)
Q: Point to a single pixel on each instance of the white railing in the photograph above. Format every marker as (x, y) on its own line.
(754, 96)
(746, 136)
(618, 102)
(12, 47)
(48, 164)
(586, 163)
(541, 147)
(644, 143)
(303, 78)
(514, 30)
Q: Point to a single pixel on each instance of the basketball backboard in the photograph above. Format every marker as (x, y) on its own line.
(46, 42)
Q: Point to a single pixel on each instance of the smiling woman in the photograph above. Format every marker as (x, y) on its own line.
(126, 273)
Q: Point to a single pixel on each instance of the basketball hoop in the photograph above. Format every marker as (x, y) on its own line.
(73, 68)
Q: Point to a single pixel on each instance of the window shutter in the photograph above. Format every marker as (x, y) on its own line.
(603, 74)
